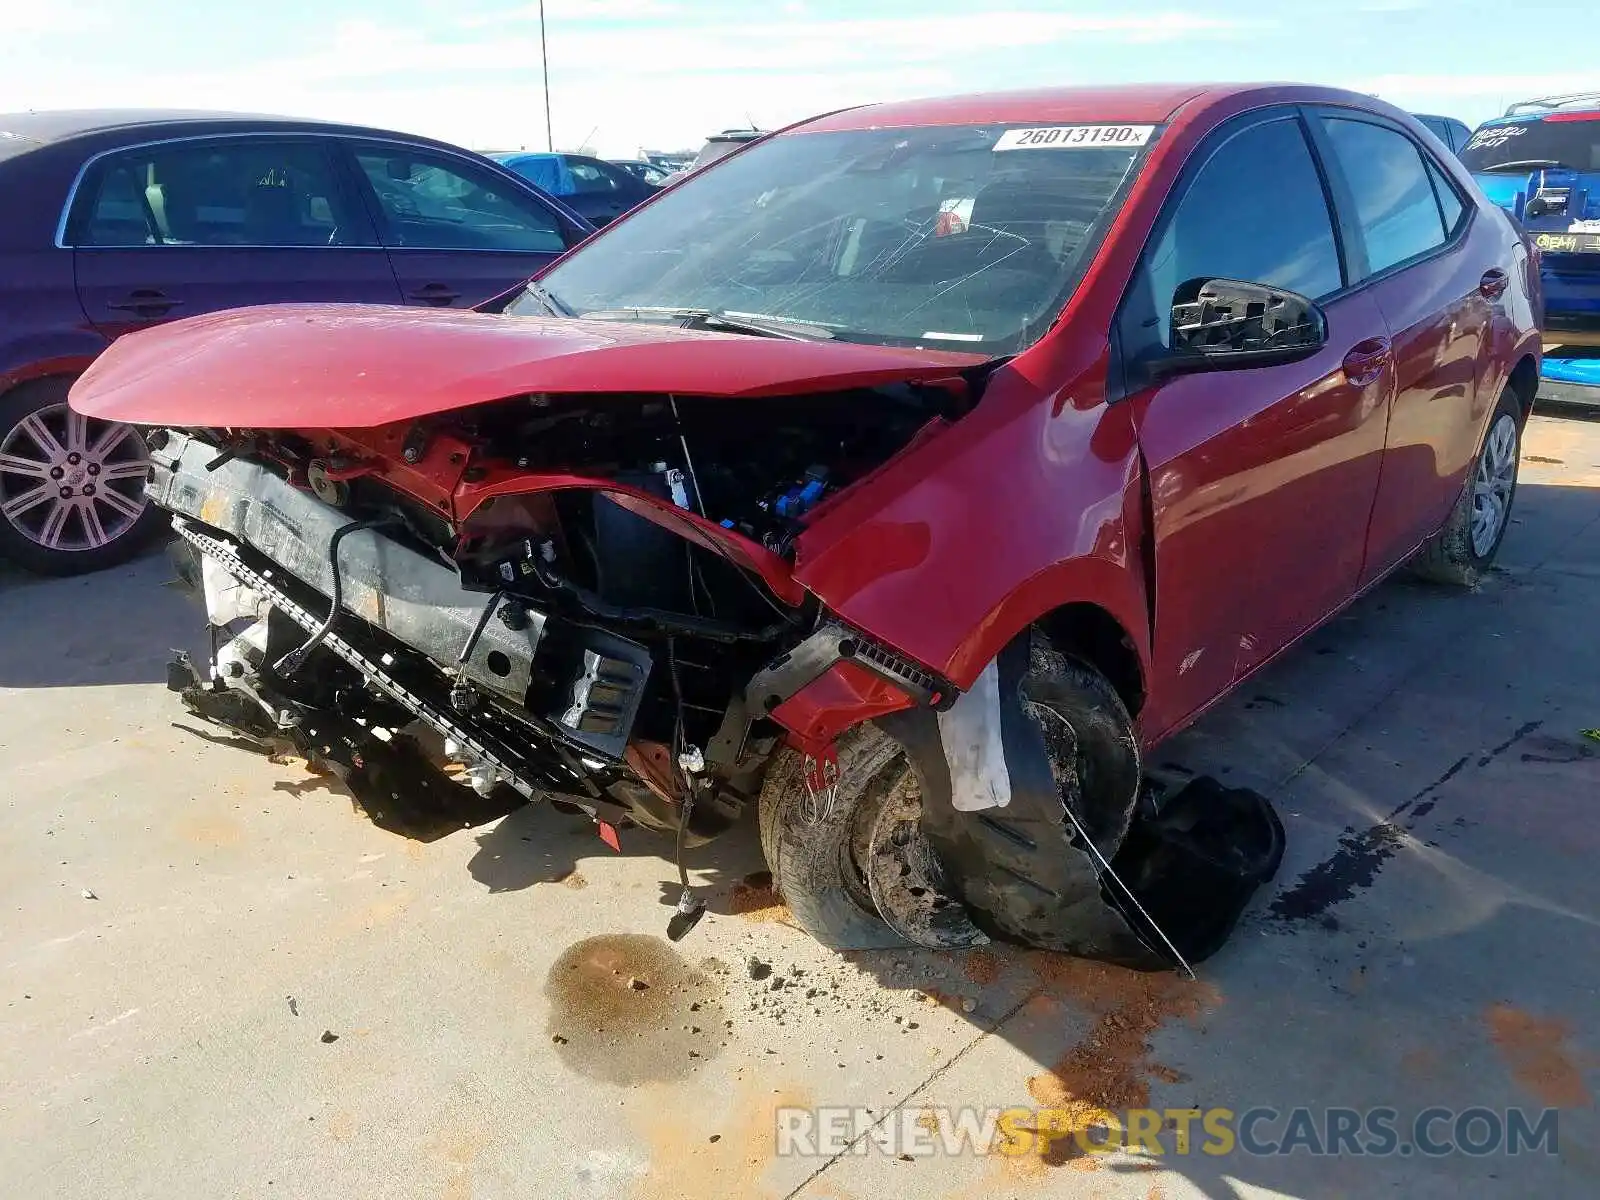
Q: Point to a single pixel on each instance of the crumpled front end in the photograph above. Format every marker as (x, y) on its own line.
(472, 614)
(605, 600)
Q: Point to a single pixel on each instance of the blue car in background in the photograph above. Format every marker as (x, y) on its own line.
(1541, 162)
(591, 187)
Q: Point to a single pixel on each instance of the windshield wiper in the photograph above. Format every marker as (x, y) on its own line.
(705, 318)
(1526, 164)
(551, 305)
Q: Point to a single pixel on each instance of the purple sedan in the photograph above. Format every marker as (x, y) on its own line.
(117, 220)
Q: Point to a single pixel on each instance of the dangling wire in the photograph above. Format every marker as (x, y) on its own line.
(690, 909)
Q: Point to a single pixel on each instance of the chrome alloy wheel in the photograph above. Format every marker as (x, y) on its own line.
(1493, 485)
(70, 482)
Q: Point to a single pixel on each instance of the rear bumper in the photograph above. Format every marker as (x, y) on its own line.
(1570, 379)
(1568, 393)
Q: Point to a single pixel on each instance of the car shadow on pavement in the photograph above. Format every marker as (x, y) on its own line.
(536, 844)
(113, 627)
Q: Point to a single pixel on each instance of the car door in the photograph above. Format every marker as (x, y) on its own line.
(1411, 249)
(188, 226)
(457, 231)
(1260, 480)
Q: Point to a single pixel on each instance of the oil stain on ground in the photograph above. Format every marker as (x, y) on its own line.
(1362, 853)
(627, 1008)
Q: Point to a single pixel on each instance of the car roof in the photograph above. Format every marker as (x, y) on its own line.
(54, 125)
(1140, 103)
(1575, 115)
(528, 156)
(1549, 104)
(48, 126)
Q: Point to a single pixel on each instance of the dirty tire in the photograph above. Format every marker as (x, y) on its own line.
(16, 546)
(809, 848)
(1450, 557)
(1095, 760)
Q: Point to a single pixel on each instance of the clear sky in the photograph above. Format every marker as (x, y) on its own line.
(664, 73)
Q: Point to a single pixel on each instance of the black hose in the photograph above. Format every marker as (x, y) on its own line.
(296, 658)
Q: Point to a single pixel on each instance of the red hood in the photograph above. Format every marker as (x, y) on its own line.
(357, 366)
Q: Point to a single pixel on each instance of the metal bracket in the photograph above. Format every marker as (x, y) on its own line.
(807, 662)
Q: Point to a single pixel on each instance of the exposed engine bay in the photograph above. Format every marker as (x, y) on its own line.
(559, 640)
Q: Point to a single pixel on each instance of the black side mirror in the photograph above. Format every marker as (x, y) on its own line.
(1225, 323)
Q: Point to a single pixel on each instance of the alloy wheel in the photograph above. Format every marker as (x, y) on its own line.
(1492, 486)
(70, 482)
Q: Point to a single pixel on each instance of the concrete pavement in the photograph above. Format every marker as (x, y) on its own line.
(221, 980)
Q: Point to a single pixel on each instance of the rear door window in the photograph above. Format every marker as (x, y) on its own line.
(244, 192)
(1437, 126)
(1255, 212)
(1395, 205)
(431, 201)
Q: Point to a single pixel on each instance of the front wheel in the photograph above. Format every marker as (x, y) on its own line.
(870, 867)
(1462, 552)
(818, 847)
(71, 487)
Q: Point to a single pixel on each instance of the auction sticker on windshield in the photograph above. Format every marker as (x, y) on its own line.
(1075, 137)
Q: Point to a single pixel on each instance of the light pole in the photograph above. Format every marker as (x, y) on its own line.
(544, 60)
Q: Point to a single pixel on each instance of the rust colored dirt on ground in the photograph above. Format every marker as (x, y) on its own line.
(755, 898)
(1535, 1050)
(697, 1152)
(1110, 1068)
(627, 1008)
(982, 967)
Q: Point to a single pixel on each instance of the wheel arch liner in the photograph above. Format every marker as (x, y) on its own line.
(1017, 868)
(1182, 875)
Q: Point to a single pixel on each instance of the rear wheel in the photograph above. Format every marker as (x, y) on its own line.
(71, 487)
(1464, 549)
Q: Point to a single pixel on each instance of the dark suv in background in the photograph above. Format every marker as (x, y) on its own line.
(116, 220)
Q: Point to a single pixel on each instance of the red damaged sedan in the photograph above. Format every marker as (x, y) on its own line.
(905, 476)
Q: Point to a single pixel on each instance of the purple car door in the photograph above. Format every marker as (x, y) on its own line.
(189, 226)
(457, 231)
